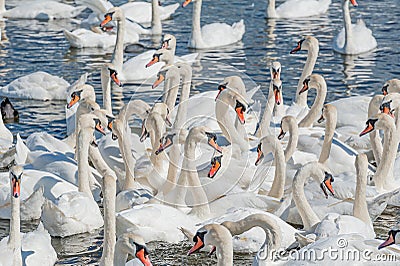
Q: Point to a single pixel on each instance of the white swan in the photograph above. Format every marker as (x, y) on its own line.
(311, 45)
(40, 10)
(169, 43)
(393, 238)
(297, 8)
(392, 85)
(62, 217)
(353, 38)
(39, 85)
(212, 35)
(134, 69)
(33, 248)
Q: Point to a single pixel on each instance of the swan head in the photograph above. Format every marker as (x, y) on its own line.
(112, 73)
(277, 90)
(91, 121)
(187, 2)
(203, 133)
(380, 121)
(286, 124)
(133, 244)
(113, 14)
(169, 42)
(328, 111)
(165, 142)
(393, 238)
(215, 235)
(386, 106)
(16, 172)
(392, 85)
(312, 81)
(158, 116)
(163, 110)
(327, 184)
(267, 144)
(353, 2)
(161, 55)
(275, 70)
(307, 43)
(82, 92)
(160, 79)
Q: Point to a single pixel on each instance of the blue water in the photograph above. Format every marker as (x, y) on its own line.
(40, 46)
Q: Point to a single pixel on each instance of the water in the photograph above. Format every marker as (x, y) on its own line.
(36, 45)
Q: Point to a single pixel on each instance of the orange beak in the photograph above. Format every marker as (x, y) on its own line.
(115, 79)
(260, 155)
(240, 114)
(354, 2)
(144, 259)
(158, 81)
(163, 146)
(16, 188)
(74, 100)
(214, 145)
(184, 4)
(198, 245)
(215, 166)
(281, 135)
(107, 18)
(305, 88)
(100, 129)
(368, 129)
(388, 242)
(152, 62)
(110, 125)
(295, 50)
(278, 97)
(328, 184)
(386, 110)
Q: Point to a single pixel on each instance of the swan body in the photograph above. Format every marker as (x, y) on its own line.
(43, 10)
(353, 38)
(38, 85)
(297, 8)
(33, 248)
(215, 34)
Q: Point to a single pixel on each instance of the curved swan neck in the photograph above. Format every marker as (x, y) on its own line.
(308, 216)
(120, 256)
(2, 6)
(171, 87)
(118, 54)
(293, 139)
(222, 240)
(375, 139)
(83, 161)
(109, 192)
(312, 55)
(278, 185)
(196, 24)
(348, 31)
(106, 89)
(315, 110)
(264, 128)
(360, 207)
(156, 26)
(331, 120)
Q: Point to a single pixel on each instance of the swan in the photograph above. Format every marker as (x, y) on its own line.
(297, 8)
(212, 35)
(38, 85)
(353, 38)
(134, 69)
(43, 10)
(8, 112)
(61, 217)
(33, 248)
(384, 178)
(311, 45)
(393, 238)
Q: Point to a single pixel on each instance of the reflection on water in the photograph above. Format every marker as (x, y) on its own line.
(29, 45)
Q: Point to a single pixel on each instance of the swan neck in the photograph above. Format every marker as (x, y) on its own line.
(308, 216)
(271, 9)
(293, 140)
(312, 55)
(185, 92)
(315, 110)
(171, 87)
(2, 6)
(375, 139)
(156, 26)
(347, 25)
(83, 161)
(14, 240)
(109, 192)
(360, 207)
(118, 55)
(196, 24)
(264, 128)
(120, 257)
(330, 126)
(124, 143)
(106, 89)
(278, 185)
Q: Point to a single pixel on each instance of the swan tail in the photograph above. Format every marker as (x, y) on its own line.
(169, 10)
(239, 28)
(22, 151)
(31, 208)
(74, 41)
(97, 6)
